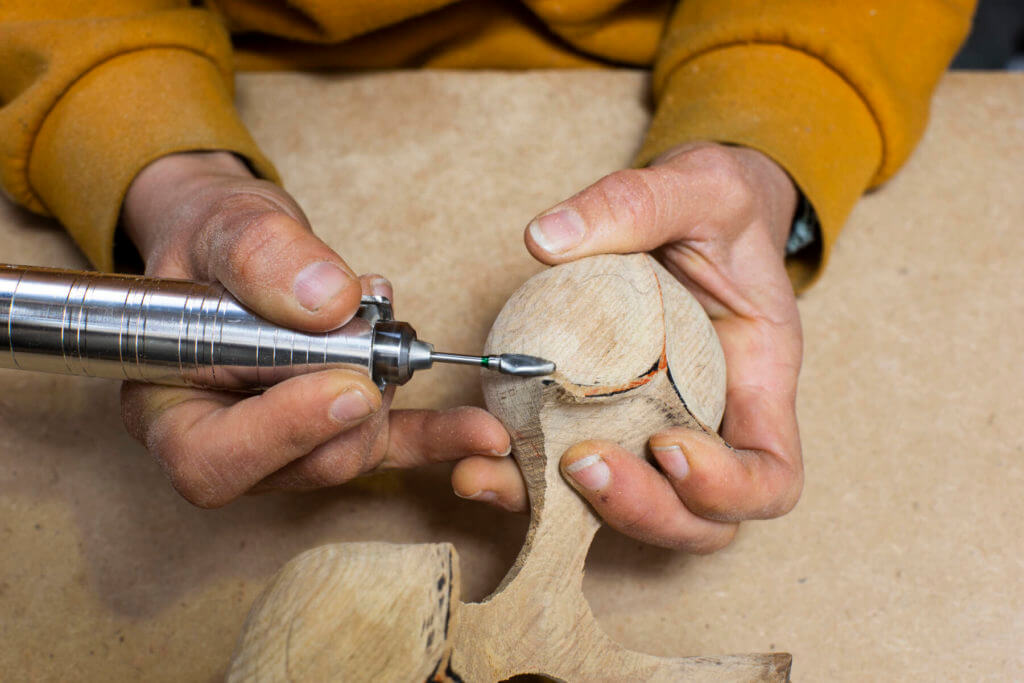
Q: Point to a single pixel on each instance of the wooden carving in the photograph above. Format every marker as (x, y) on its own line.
(353, 612)
(635, 354)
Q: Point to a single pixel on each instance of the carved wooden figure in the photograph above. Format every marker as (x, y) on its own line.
(635, 354)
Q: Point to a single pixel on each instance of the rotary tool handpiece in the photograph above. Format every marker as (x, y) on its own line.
(188, 334)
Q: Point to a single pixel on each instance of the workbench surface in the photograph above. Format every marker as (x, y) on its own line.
(901, 562)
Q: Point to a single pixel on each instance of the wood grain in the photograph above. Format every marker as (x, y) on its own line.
(353, 612)
(635, 354)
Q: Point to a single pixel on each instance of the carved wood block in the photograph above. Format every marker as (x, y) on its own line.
(635, 354)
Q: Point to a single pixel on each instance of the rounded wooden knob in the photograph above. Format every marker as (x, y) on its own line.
(615, 326)
(353, 612)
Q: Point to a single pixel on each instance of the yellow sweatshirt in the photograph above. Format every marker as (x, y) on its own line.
(836, 91)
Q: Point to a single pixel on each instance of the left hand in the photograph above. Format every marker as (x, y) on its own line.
(718, 218)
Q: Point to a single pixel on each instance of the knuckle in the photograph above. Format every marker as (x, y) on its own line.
(189, 470)
(718, 159)
(723, 496)
(779, 488)
(628, 198)
(791, 491)
(726, 174)
(191, 479)
(243, 230)
(288, 433)
(712, 493)
(340, 471)
(251, 246)
(291, 439)
(634, 517)
(274, 198)
(336, 466)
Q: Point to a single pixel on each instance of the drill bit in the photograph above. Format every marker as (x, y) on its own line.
(517, 364)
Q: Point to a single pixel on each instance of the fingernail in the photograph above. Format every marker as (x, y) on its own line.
(672, 460)
(318, 283)
(590, 472)
(352, 405)
(558, 232)
(381, 287)
(482, 496)
(495, 453)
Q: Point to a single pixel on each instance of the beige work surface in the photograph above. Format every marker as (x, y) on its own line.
(902, 561)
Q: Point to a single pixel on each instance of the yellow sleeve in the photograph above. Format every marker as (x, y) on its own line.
(835, 92)
(92, 91)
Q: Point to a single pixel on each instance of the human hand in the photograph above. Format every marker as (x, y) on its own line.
(203, 216)
(718, 218)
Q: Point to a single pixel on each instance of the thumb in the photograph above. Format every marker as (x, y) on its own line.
(274, 264)
(628, 211)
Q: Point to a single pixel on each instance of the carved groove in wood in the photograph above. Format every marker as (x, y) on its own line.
(635, 354)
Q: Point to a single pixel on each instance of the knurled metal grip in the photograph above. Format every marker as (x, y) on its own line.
(180, 333)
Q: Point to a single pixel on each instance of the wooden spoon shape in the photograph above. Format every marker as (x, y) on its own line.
(635, 354)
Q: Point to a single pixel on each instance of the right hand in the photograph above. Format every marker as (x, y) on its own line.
(203, 216)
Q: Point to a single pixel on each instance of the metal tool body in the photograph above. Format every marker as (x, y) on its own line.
(176, 332)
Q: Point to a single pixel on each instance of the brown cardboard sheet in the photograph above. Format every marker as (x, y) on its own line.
(901, 562)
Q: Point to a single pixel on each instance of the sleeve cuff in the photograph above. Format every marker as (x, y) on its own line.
(787, 105)
(118, 117)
